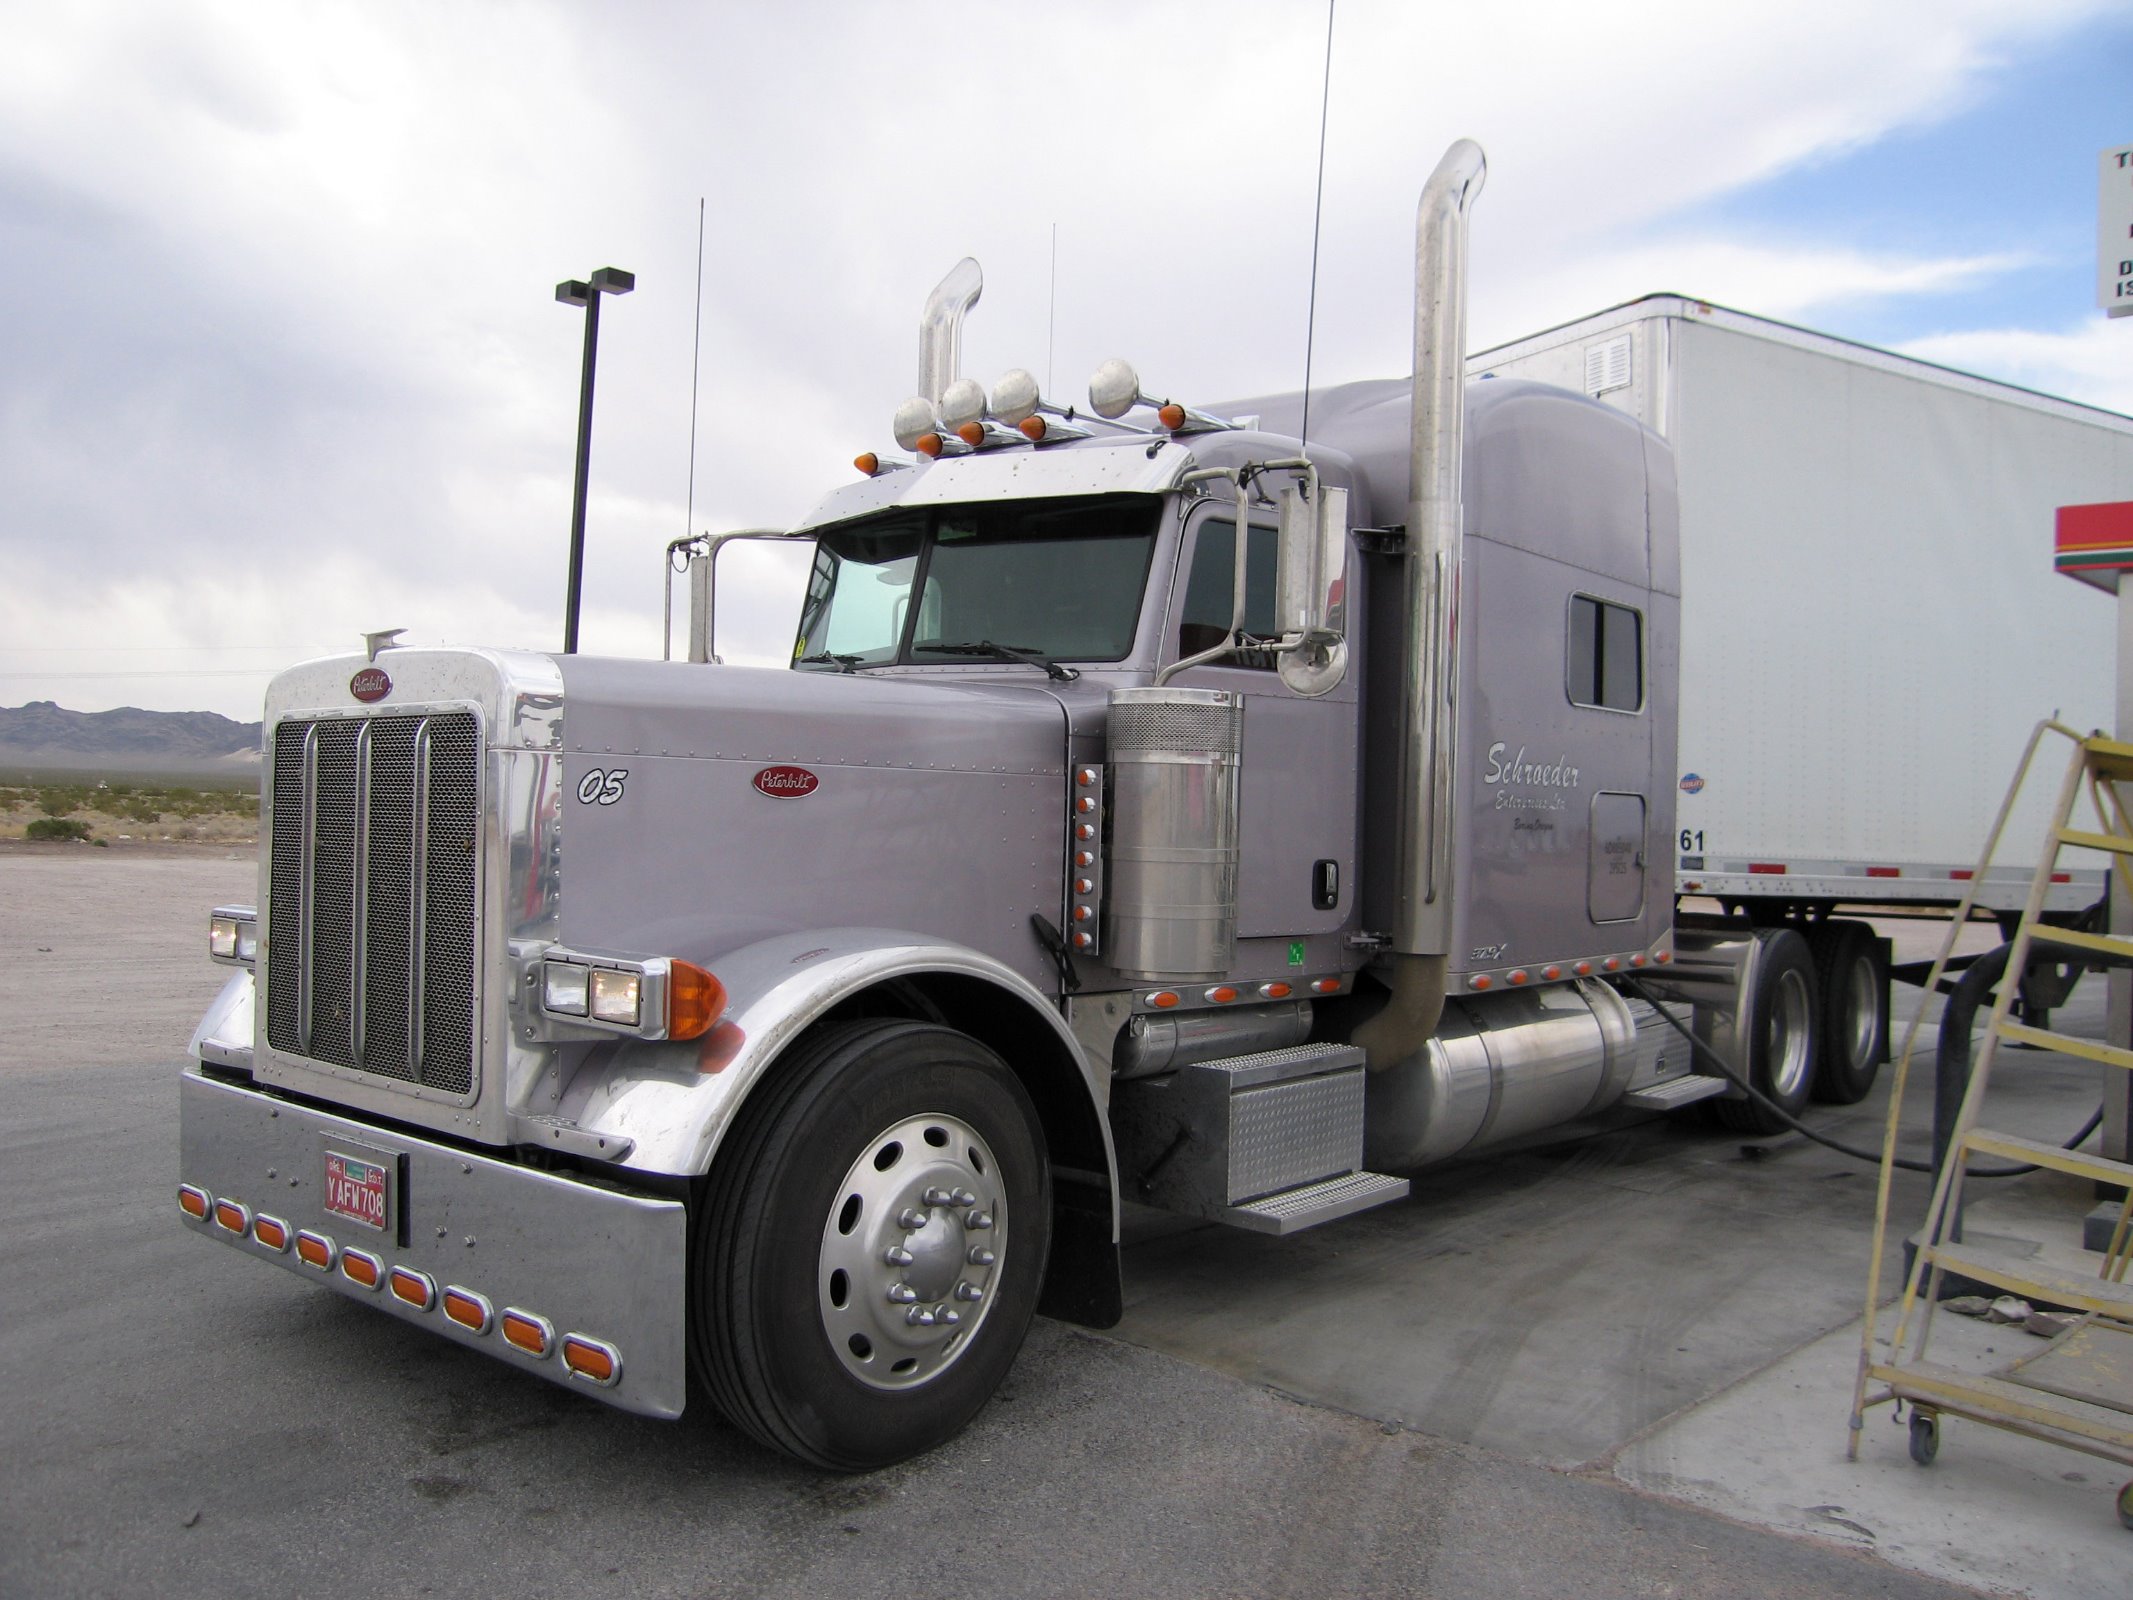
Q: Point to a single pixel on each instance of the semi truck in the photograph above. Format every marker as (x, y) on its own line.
(1162, 805)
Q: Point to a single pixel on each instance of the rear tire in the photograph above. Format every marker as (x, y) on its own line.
(1781, 1032)
(871, 1244)
(1852, 974)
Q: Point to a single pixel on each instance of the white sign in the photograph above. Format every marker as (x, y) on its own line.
(2114, 231)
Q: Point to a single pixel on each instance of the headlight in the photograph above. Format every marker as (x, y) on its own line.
(233, 935)
(618, 997)
(563, 987)
(656, 997)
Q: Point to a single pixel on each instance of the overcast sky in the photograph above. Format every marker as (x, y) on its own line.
(281, 361)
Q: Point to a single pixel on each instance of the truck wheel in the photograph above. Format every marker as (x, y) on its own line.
(1781, 1035)
(1852, 970)
(871, 1244)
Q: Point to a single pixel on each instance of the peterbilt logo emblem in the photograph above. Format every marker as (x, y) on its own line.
(371, 684)
(787, 783)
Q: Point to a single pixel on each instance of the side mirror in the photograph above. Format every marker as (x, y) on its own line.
(1311, 589)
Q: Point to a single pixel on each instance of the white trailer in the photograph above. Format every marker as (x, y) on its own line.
(1881, 527)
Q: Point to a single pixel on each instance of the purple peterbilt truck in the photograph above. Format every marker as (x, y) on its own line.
(1156, 809)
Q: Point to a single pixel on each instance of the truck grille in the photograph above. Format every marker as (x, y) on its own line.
(371, 895)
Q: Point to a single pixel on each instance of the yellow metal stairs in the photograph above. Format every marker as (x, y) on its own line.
(2078, 1389)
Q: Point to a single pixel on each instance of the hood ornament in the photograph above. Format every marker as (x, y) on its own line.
(374, 642)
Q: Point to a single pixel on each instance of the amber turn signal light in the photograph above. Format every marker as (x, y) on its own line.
(695, 1000)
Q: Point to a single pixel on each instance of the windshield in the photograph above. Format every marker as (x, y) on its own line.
(1050, 579)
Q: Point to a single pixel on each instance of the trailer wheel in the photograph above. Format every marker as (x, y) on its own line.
(871, 1244)
(1852, 969)
(1781, 1032)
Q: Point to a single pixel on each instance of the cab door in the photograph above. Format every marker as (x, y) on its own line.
(1298, 781)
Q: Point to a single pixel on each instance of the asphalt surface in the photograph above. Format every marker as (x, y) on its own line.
(180, 1420)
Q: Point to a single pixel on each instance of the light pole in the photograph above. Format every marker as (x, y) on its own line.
(608, 280)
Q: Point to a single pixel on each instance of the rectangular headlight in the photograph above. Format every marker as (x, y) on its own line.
(233, 935)
(617, 997)
(563, 986)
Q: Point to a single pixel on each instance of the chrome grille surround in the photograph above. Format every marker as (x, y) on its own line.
(372, 911)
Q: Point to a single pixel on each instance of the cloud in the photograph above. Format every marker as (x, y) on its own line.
(292, 367)
(2092, 362)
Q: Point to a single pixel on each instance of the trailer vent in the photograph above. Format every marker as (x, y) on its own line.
(371, 907)
(1607, 365)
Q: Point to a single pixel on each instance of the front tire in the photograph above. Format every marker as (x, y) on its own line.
(1781, 1034)
(871, 1244)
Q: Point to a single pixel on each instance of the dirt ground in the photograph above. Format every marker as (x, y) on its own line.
(114, 944)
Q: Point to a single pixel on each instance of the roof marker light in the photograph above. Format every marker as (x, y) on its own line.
(868, 462)
(929, 445)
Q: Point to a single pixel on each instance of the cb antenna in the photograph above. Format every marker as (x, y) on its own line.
(1318, 206)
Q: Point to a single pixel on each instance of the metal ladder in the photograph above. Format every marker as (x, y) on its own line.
(2068, 1393)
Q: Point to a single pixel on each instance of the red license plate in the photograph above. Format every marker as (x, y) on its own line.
(358, 1188)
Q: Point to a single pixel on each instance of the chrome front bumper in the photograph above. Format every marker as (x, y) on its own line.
(605, 1268)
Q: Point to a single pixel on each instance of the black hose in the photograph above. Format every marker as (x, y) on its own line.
(1871, 1157)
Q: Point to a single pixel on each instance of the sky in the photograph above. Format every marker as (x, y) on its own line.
(283, 365)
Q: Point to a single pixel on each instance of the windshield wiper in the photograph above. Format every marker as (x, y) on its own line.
(844, 663)
(1005, 652)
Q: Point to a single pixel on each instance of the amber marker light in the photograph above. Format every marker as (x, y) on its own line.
(362, 1268)
(414, 1288)
(527, 1333)
(1583, 969)
(592, 1359)
(867, 462)
(1275, 991)
(1481, 982)
(971, 433)
(1083, 913)
(1325, 985)
(1032, 429)
(1222, 994)
(695, 1000)
(195, 1203)
(314, 1250)
(1171, 416)
(1663, 957)
(271, 1232)
(929, 445)
(1082, 941)
(1163, 999)
(1612, 963)
(232, 1217)
(1519, 976)
(1551, 973)
(468, 1309)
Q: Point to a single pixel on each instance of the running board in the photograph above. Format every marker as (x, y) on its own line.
(1294, 1210)
(1675, 1093)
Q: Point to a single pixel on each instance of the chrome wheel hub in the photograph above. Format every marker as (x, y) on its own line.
(914, 1240)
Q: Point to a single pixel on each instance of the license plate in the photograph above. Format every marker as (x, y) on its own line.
(358, 1188)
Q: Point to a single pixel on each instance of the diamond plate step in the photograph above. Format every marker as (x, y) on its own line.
(1675, 1092)
(1293, 1210)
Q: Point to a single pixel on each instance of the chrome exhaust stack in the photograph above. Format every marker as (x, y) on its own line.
(940, 329)
(1422, 868)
